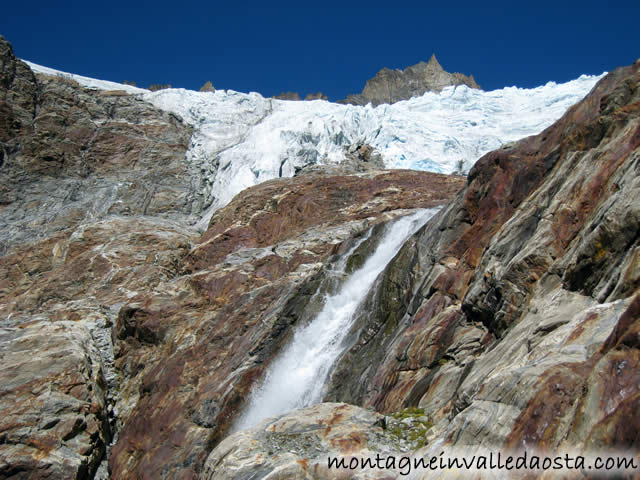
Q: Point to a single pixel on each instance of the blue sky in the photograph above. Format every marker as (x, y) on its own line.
(330, 46)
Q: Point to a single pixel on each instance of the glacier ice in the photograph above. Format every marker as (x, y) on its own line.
(240, 139)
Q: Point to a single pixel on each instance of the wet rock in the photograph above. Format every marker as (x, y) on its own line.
(97, 207)
(510, 319)
(241, 289)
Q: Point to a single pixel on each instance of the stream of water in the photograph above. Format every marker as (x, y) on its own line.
(297, 376)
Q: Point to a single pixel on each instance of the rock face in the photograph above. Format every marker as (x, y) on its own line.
(512, 318)
(390, 86)
(296, 445)
(207, 87)
(316, 96)
(223, 318)
(192, 321)
(295, 96)
(517, 306)
(129, 339)
(53, 402)
(126, 335)
(70, 154)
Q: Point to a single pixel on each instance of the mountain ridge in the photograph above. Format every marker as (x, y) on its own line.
(391, 86)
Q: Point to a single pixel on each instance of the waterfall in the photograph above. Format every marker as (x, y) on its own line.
(296, 377)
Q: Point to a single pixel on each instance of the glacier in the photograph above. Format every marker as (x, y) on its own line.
(240, 140)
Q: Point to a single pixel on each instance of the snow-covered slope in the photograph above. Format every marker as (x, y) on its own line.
(242, 139)
(86, 81)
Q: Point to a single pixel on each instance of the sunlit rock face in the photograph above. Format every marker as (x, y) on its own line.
(70, 155)
(128, 338)
(297, 444)
(237, 297)
(511, 319)
(391, 86)
(516, 306)
(178, 326)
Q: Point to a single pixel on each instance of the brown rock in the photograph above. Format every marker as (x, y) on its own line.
(245, 281)
(207, 87)
(316, 96)
(158, 86)
(294, 96)
(390, 86)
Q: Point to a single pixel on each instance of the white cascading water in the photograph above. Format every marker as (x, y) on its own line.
(297, 376)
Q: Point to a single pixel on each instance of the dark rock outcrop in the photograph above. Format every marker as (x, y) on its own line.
(293, 96)
(159, 86)
(390, 86)
(316, 96)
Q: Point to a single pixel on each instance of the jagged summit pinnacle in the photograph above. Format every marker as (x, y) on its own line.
(390, 86)
(433, 61)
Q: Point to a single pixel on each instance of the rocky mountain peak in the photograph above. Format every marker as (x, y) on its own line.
(390, 86)
(433, 61)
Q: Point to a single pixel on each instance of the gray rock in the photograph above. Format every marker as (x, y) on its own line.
(53, 414)
(501, 316)
(71, 155)
(390, 86)
(297, 444)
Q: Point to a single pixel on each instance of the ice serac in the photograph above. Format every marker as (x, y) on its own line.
(391, 86)
(241, 140)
